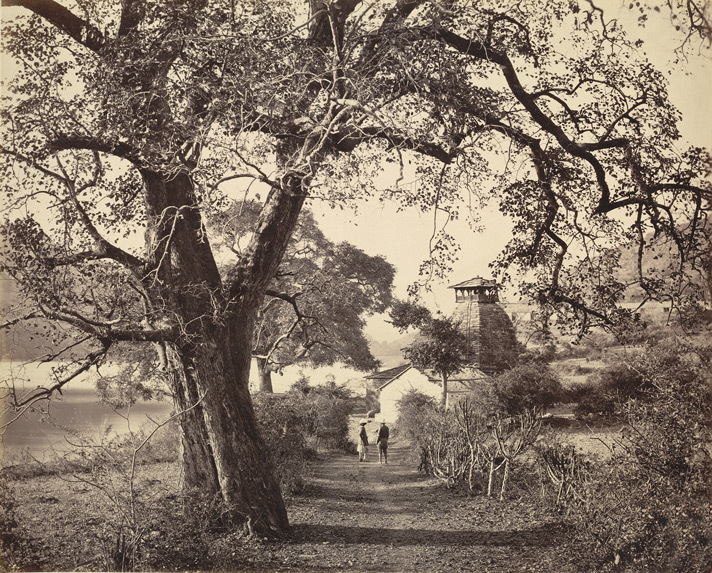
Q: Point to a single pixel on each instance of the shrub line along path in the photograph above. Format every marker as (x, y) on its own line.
(365, 516)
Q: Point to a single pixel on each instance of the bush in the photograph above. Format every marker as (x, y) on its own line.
(645, 524)
(414, 409)
(605, 390)
(527, 386)
(301, 422)
(469, 444)
(328, 408)
(284, 425)
(190, 531)
(648, 507)
(432, 432)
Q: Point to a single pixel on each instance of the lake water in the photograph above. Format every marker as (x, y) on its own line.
(50, 428)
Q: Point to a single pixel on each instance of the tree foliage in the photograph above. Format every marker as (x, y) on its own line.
(441, 347)
(527, 387)
(317, 303)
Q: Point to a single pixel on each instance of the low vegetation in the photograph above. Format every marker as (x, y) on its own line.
(528, 386)
(300, 423)
(663, 454)
(469, 445)
(140, 517)
(613, 506)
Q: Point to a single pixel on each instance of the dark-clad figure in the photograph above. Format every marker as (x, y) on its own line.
(382, 443)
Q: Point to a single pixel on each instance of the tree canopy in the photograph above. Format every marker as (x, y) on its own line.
(442, 347)
(125, 124)
(316, 305)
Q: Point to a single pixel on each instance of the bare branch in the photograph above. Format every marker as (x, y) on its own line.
(106, 331)
(40, 393)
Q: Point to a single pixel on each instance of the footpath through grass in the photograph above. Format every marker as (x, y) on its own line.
(352, 515)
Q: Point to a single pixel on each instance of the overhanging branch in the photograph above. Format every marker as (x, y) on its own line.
(63, 19)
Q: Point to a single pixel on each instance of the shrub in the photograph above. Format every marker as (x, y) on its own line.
(468, 444)
(432, 432)
(414, 408)
(592, 400)
(645, 524)
(297, 424)
(284, 424)
(605, 389)
(527, 386)
(186, 532)
(328, 408)
(164, 445)
(648, 507)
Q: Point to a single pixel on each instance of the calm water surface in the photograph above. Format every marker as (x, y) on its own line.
(51, 427)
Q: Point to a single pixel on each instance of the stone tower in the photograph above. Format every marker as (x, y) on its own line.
(493, 344)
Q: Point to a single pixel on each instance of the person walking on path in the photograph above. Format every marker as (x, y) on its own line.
(362, 442)
(382, 443)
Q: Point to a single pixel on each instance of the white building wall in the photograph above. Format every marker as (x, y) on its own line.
(409, 380)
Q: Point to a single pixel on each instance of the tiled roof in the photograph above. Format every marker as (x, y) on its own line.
(463, 381)
(389, 374)
(475, 282)
(465, 376)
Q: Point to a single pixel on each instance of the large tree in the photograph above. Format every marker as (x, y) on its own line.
(315, 306)
(127, 120)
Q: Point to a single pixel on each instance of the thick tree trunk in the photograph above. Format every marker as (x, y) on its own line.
(219, 367)
(443, 398)
(222, 450)
(264, 374)
(199, 469)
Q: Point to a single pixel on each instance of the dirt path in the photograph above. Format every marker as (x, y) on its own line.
(372, 517)
(353, 516)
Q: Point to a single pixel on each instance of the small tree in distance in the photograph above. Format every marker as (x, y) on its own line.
(442, 347)
(314, 308)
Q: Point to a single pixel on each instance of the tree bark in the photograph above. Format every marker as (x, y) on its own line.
(505, 480)
(222, 450)
(264, 373)
(490, 479)
(443, 399)
(219, 366)
(199, 471)
(221, 447)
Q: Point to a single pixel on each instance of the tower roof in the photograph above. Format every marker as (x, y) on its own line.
(492, 343)
(475, 282)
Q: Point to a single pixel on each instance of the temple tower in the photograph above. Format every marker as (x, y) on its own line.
(493, 344)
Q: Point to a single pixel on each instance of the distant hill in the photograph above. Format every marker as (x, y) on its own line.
(657, 260)
(389, 353)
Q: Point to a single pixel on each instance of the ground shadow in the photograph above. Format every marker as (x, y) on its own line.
(544, 535)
